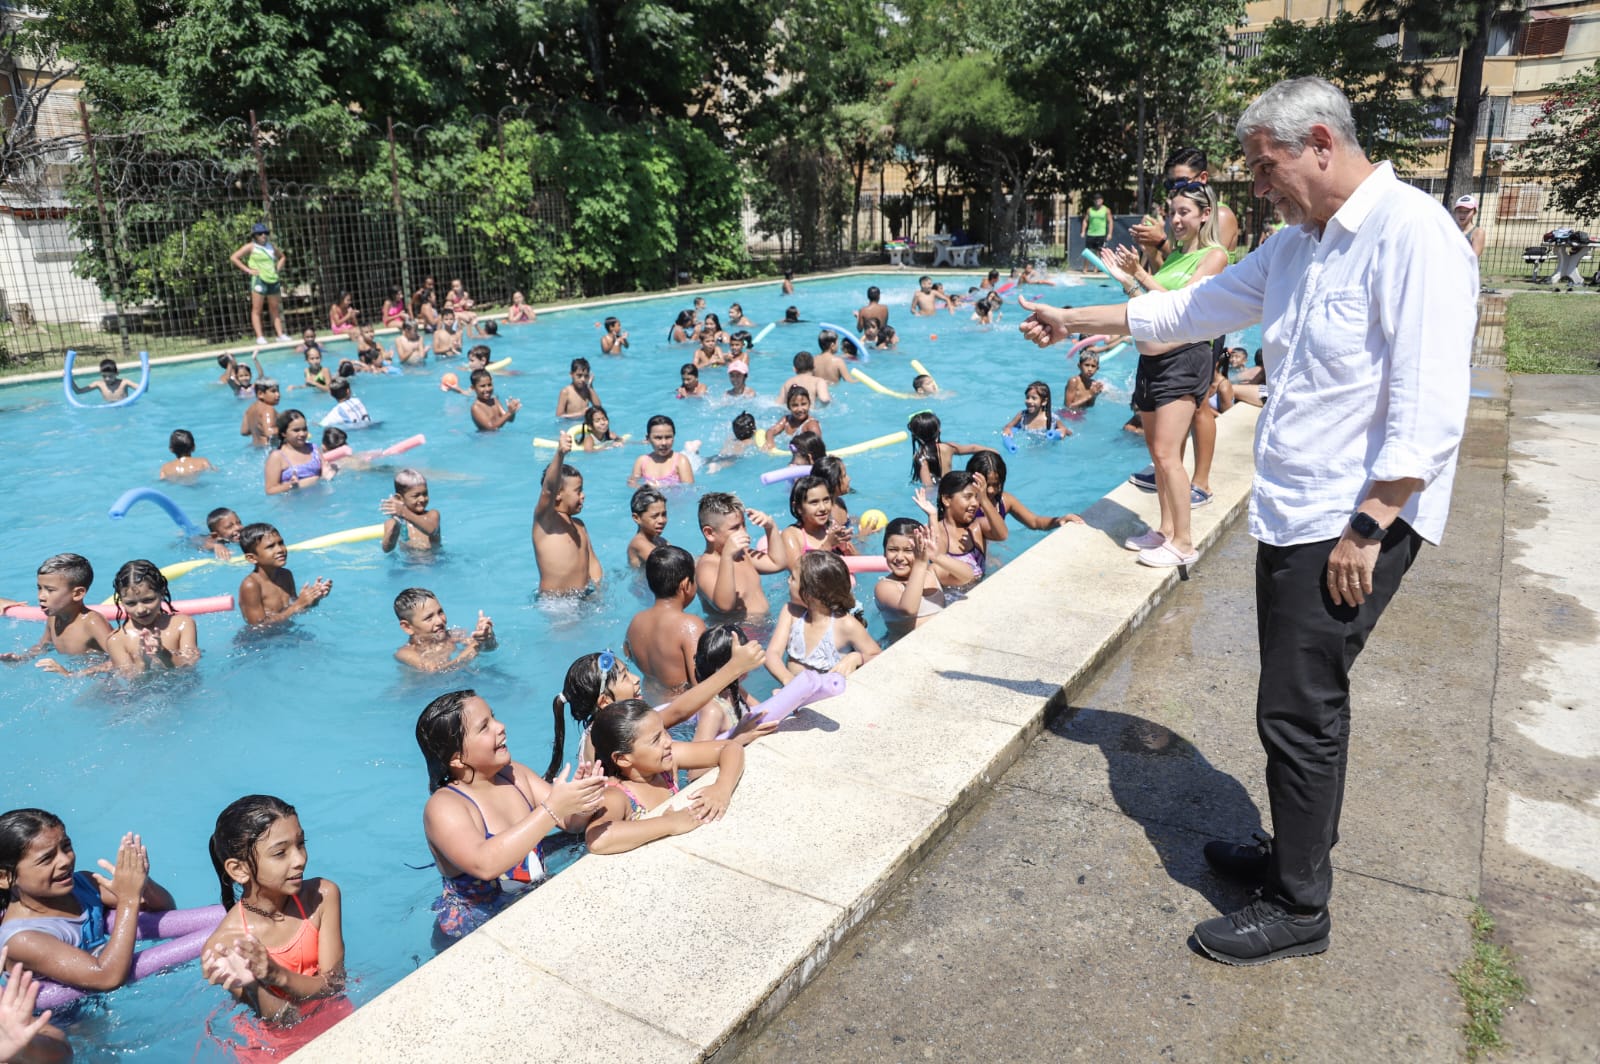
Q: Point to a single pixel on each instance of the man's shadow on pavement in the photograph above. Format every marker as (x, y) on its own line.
(1162, 781)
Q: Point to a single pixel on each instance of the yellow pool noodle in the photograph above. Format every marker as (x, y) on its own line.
(880, 389)
(496, 366)
(869, 445)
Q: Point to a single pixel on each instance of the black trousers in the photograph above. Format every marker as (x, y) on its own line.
(1308, 645)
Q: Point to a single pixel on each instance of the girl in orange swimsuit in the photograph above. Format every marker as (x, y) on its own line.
(641, 763)
(280, 948)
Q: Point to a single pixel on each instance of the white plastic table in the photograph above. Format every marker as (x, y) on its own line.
(941, 250)
(1567, 260)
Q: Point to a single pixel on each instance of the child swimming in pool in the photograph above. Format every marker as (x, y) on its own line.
(730, 707)
(70, 628)
(261, 415)
(931, 457)
(580, 395)
(407, 512)
(152, 633)
(993, 469)
(53, 917)
(649, 508)
(960, 540)
(222, 526)
(432, 645)
(1083, 390)
(489, 414)
(1037, 414)
(280, 946)
(267, 595)
(295, 461)
(798, 419)
(185, 463)
(910, 594)
(562, 549)
(487, 814)
(814, 528)
(818, 629)
(641, 761)
(689, 383)
(597, 434)
(729, 572)
(662, 637)
(662, 466)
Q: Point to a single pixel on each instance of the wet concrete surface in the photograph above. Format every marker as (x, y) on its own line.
(1054, 920)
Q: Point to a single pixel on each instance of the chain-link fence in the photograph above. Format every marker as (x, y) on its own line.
(119, 241)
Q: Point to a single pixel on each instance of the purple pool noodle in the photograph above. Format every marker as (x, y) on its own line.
(192, 926)
(809, 686)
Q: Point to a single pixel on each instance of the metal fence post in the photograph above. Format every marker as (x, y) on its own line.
(105, 233)
(400, 221)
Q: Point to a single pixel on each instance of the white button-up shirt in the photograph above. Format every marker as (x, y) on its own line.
(1366, 339)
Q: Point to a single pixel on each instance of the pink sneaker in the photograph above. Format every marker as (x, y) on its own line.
(1149, 541)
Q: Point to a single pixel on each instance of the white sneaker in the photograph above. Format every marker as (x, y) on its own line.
(283, 339)
(261, 341)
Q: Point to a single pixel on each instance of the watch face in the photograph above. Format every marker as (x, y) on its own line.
(1366, 526)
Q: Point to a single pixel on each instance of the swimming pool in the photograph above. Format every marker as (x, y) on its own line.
(321, 715)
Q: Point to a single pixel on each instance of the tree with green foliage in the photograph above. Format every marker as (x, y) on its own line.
(1394, 102)
(1565, 141)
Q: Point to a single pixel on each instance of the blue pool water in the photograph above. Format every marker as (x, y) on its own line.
(321, 715)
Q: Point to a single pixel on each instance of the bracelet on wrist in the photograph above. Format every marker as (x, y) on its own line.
(546, 807)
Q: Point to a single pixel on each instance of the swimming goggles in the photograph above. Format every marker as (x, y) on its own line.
(607, 662)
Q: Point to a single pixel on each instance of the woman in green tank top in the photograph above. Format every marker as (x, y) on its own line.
(1173, 379)
(261, 260)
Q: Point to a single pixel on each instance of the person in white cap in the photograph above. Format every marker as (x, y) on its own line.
(1466, 212)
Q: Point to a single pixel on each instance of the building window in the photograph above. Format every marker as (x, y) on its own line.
(1245, 46)
(1503, 27)
(1520, 202)
(1499, 108)
(1441, 109)
(1544, 36)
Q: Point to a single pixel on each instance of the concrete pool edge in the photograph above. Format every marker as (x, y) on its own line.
(210, 354)
(737, 916)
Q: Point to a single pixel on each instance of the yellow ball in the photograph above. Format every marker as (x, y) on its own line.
(873, 520)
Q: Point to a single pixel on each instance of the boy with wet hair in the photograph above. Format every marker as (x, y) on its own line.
(614, 341)
(662, 638)
(260, 421)
(224, 526)
(873, 309)
(488, 412)
(562, 549)
(447, 337)
(576, 398)
(69, 627)
(110, 386)
(267, 595)
(728, 575)
(431, 644)
(407, 511)
(185, 463)
(806, 376)
(827, 364)
(649, 508)
(409, 347)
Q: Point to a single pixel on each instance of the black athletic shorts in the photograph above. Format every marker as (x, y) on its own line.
(1163, 379)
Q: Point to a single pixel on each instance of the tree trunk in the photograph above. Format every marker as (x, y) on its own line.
(1469, 83)
(1139, 154)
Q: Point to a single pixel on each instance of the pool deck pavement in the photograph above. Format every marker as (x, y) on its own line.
(1051, 923)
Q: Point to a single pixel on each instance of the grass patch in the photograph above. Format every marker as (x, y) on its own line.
(1489, 984)
(1548, 333)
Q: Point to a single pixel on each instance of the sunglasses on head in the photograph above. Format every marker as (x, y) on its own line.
(1178, 185)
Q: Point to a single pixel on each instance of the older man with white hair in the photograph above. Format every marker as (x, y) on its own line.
(1368, 304)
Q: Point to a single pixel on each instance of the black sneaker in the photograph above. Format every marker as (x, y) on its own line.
(1245, 862)
(1262, 932)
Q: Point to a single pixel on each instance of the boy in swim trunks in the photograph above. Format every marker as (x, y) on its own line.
(407, 510)
(579, 396)
(614, 341)
(488, 412)
(69, 627)
(267, 595)
(729, 573)
(260, 421)
(662, 638)
(827, 364)
(447, 336)
(224, 526)
(431, 644)
(408, 346)
(110, 386)
(561, 546)
(805, 376)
